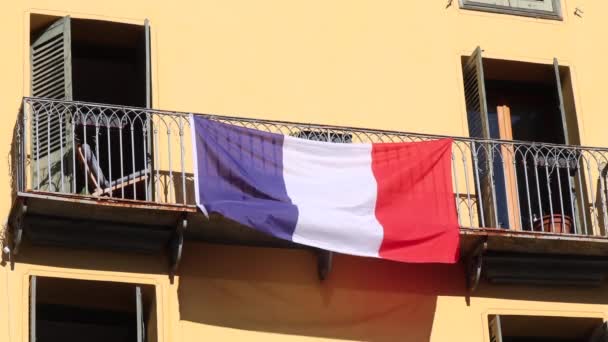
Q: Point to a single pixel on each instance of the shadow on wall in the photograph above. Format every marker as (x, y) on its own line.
(277, 291)
(14, 158)
(577, 294)
(91, 259)
(172, 187)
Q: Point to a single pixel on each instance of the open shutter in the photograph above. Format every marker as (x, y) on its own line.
(148, 63)
(149, 123)
(51, 58)
(51, 77)
(495, 328)
(33, 309)
(475, 96)
(479, 127)
(139, 309)
(558, 83)
(571, 209)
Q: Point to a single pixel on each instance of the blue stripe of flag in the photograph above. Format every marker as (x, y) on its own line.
(240, 176)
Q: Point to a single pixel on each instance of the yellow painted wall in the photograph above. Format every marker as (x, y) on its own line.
(390, 64)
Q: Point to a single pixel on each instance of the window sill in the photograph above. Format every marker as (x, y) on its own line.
(512, 11)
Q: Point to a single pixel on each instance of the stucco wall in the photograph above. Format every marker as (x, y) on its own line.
(380, 64)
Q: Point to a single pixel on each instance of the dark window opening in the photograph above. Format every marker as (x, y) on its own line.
(515, 328)
(108, 63)
(320, 135)
(529, 91)
(78, 310)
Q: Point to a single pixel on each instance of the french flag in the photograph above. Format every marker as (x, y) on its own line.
(388, 200)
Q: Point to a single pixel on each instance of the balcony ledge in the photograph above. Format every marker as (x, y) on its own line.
(73, 210)
(76, 222)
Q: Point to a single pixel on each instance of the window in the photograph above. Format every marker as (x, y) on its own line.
(516, 328)
(548, 9)
(319, 135)
(90, 61)
(512, 100)
(79, 310)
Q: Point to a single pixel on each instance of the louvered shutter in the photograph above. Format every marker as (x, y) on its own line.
(475, 96)
(51, 75)
(479, 127)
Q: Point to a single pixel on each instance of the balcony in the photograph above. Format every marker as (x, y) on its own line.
(108, 176)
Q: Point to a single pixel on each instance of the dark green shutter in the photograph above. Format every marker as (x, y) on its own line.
(475, 96)
(51, 58)
(571, 177)
(479, 127)
(51, 75)
(149, 124)
(139, 309)
(560, 97)
(33, 309)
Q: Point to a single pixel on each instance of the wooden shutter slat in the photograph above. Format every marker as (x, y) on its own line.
(51, 83)
(51, 75)
(51, 48)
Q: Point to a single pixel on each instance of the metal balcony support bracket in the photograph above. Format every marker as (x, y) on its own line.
(474, 264)
(324, 263)
(17, 234)
(176, 245)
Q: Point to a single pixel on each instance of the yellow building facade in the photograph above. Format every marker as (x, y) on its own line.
(385, 65)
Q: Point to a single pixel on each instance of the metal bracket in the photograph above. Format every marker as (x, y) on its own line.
(474, 264)
(18, 229)
(176, 246)
(324, 263)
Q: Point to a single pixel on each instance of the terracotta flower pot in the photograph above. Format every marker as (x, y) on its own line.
(561, 224)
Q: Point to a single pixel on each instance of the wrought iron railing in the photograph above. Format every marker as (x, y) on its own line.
(140, 154)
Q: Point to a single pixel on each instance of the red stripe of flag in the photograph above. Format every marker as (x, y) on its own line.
(415, 203)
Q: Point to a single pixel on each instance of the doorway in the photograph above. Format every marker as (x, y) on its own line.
(525, 175)
(100, 62)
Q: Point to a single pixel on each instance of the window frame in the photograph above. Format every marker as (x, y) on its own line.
(555, 14)
(493, 330)
(146, 316)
